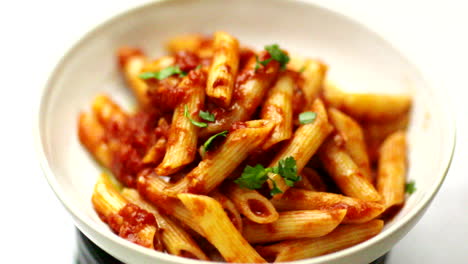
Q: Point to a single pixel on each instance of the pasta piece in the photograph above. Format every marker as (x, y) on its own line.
(182, 144)
(159, 64)
(278, 108)
(214, 222)
(156, 153)
(305, 142)
(175, 239)
(252, 204)
(392, 169)
(293, 225)
(342, 237)
(196, 43)
(230, 209)
(358, 211)
(353, 137)
(132, 62)
(313, 72)
(369, 107)
(211, 171)
(92, 135)
(304, 183)
(151, 187)
(375, 133)
(314, 179)
(223, 71)
(345, 173)
(113, 209)
(108, 112)
(251, 86)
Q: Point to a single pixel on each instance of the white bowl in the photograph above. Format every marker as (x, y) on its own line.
(358, 59)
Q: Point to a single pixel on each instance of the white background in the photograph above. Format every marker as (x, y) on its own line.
(34, 34)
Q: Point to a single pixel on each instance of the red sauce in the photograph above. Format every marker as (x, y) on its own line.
(186, 60)
(129, 221)
(238, 125)
(258, 208)
(166, 94)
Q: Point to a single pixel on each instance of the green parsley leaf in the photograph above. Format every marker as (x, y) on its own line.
(410, 187)
(206, 116)
(208, 142)
(255, 177)
(198, 67)
(307, 117)
(278, 55)
(259, 62)
(302, 69)
(196, 123)
(163, 74)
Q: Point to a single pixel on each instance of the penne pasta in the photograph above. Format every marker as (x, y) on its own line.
(214, 222)
(251, 86)
(353, 137)
(197, 43)
(156, 153)
(392, 169)
(211, 171)
(113, 209)
(369, 107)
(342, 237)
(182, 143)
(305, 142)
(313, 72)
(345, 173)
(358, 211)
(315, 180)
(223, 71)
(278, 108)
(108, 113)
(157, 65)
(92, 136)
(293, 225)
(174, 238)
(252, 204)
(230, 209)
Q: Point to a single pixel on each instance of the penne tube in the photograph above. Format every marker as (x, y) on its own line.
(278, 108)
(304, 183)
(230, 209)
(293, 225)
(342, 237)
(315, 180)
(151, 187)
(358, 211)
(197, 43)
(219, 230)
(251, 87)
(375, 133)
(92, 136)
(353, 136)
(174, 238)
(132, 62)
(345, 173)
(392, 169)
(305, 142)
(313, 72)
(368, 107)
(120, 215)
(182, 143)
(223, 71)
(252, 204)
(157, 65)
(212, 170)
(156, 152)
(108, 113)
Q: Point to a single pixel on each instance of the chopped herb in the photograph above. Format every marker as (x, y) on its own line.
(410, 187)
(307, 117)
(196, 123)
(278, 55)
(206, 116)
(198, 67)
(255, 177)
(208, 142)
(303, 68)
(163, 74)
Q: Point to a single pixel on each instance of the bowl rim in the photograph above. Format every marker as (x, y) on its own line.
(40, 107)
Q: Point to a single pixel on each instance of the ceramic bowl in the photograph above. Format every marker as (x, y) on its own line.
(359, 59)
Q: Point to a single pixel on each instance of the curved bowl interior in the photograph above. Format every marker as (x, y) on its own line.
(358, 60)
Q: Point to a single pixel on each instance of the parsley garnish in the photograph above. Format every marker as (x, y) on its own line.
(410, 187)
(255, 177)
(196, 123)
(198, 67)
(302, 69)
(307, 117)
(206, 116)
(163, 74)
(258, 62)
(275, 54)
(208, 142)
